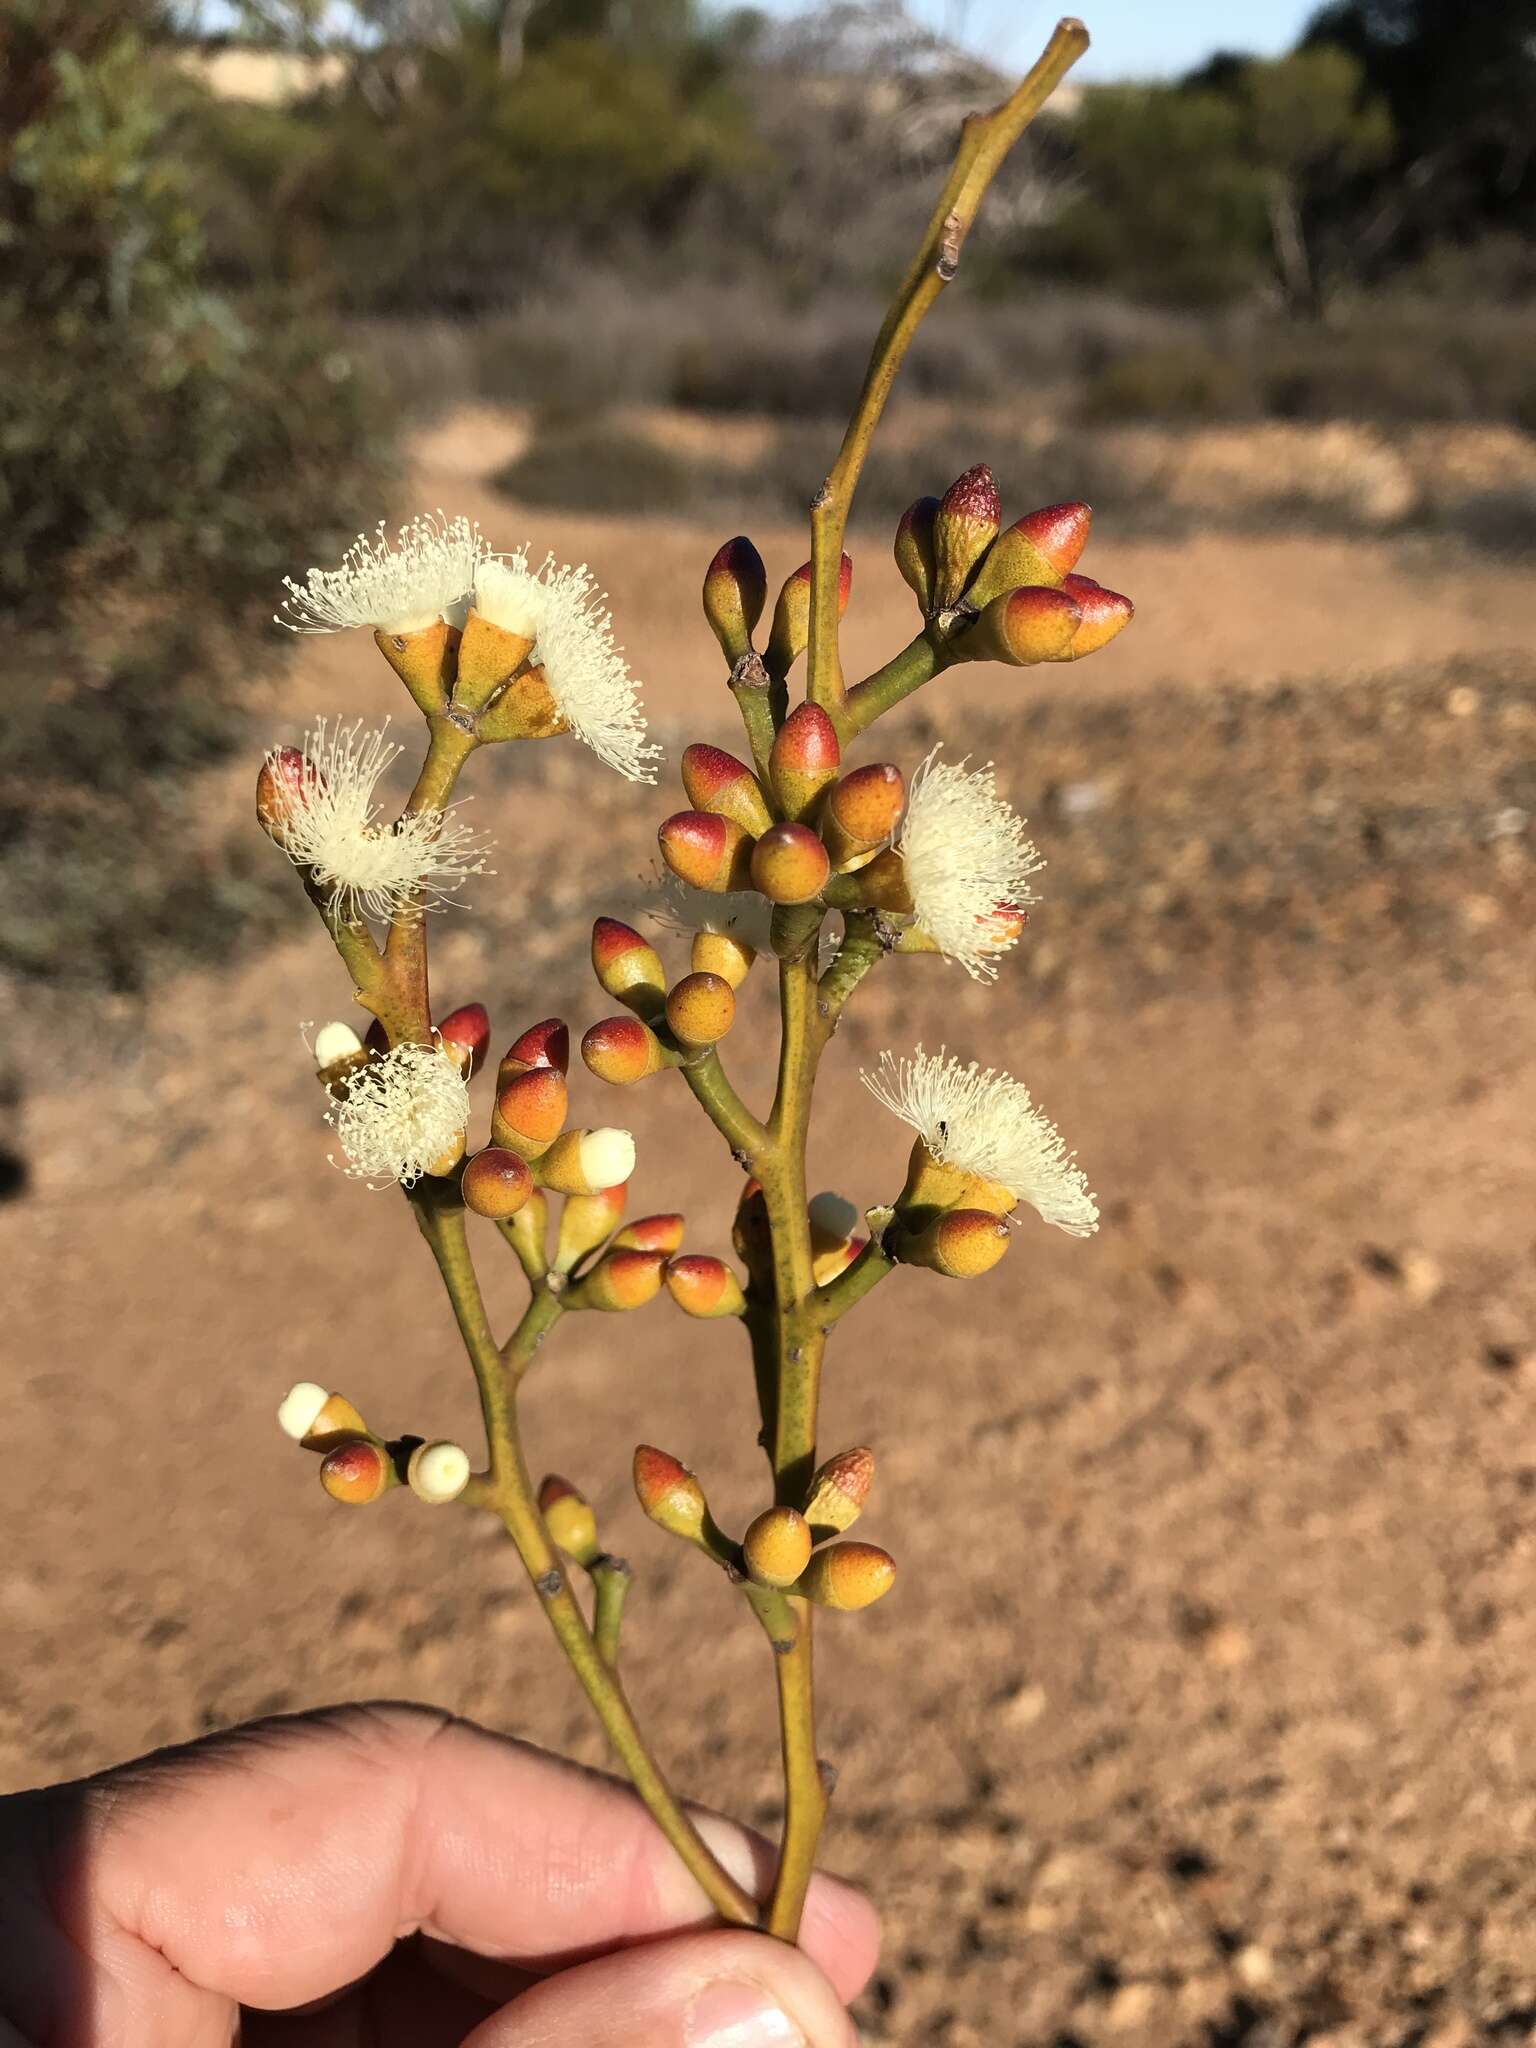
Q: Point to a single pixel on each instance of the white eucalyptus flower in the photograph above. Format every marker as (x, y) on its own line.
(740, 914)
(426, 573)
(967, 862)
(401, 1115)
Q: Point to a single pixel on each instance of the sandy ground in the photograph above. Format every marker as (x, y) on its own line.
(1202, 1711)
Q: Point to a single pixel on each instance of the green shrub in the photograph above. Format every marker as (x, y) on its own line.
(591, 465)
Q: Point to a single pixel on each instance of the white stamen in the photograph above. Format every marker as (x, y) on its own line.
(968, 863)
(335, 1042)
(402, 1115)
(739, 914)
(395, 587)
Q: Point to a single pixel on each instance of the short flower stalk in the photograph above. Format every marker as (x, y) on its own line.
(795, 862)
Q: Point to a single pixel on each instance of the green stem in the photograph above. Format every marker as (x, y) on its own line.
(917, 663)
(805, 1809)
(725, 1108)
(833, 1301)
(611, 1581)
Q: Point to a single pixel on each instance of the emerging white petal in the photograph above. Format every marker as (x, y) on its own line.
(402, 1115)
(968, 863)
(332, 825)
(983, 1122)
(587, 674)
(300, 1408)
(438, 1473)
(423, 575)
(741, 914)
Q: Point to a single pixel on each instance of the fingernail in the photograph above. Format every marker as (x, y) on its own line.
(740, 2016)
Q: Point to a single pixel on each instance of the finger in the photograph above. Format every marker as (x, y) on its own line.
(283, 1860)
(694, 1991)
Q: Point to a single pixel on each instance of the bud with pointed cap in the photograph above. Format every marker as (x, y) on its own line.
(777, 1547)
(701, 1009)
(663, 1233)
(356, 1470)
(792, 615)
(1105, 613)
(585, 1221)
(717, 782)
(569, 1519)
(670, 1494)
(621, 1280)
(586, 1162)
(735, 591)
(707, 851)
(790, 864)
(964, 527)
(1022, 627)
(466, 1033)
(848, 1576)
(623, 1050)
(629, 967)
(862, 812)
(530, 1111)
(542, 1045)
(438, 1472)
(1041, 548)
(724, 954)
(914, 550)
(705, 1287)
(424, 662)
(283, 785)
(496, 1183)
(962, 1244)
(839, 1491)
(804, 759)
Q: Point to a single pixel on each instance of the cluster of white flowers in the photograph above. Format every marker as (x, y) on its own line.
(425, 574)
(332, 825)
(983, 1122)
(967, 861)
(401, 1115)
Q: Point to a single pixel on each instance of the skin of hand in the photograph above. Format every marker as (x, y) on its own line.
(388, 1877)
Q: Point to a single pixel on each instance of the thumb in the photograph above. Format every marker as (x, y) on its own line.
(728, 1990)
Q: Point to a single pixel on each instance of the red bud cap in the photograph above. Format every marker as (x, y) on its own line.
(1060, 532)
(777, 1547)
(1023, 627)
(356, 1472)
(805, 758)
(706, 851)
(530, 1111)
(541, 1045)
(623, 1050)
(466, 1033)
(621, 1280)
(1039, 549)
(962, 1244)
(863, 811)
(914, 549)
(705, 1287)
(848, 1576)
(717, 782)
(283, 785)
(839, 1491)
(496, 1183)
(964, 527)
(701, 1009)
(790, 864)
(569, 1519)
(651, 1234)
(628, 967)
(735, 591)
(1105, 613)
(792, 615)
(670, 1494)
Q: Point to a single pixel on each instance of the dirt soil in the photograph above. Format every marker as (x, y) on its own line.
(1202, 1712)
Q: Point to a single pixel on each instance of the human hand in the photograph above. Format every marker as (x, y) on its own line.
(389, 1876)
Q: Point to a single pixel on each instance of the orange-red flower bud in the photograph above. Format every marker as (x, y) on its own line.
(1040, 549)
(717, 782)
(839, 1491)
(735, 591)
(1023, 627)
(662, 1233)
(790, 864)
(1060, 532)
(964, 527)
(356, 1471)
(914, 550)
(701, 1009)
(862, 812)
(569, 1519)
(282, 786)
(496, 1183)
(585, 1220)
(848, 1576)
(792, 615)
(619, 1281)
(705, 1287)
(530, 1111)
(542, 1045)
(804, 759)
(629, 967)
(1105, 613)
(777, 1547)
(466, 1033)
(706, 851)
(623, 1050)
(670, 1494)
(724, 954)
(962, 1244)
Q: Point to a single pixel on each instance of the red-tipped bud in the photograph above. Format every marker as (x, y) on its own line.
(790, 864)
(356, 1471)
(496, 1183)
(705, 1287)
(619, 1281)
(735, 591)
(569, 1519)
(706, 851)
(585, 1220)
(827, 1265)
(724, 954)
(862, 812)
(541, 1045)
(1060, 532)
(283, 786)
(530, 1111)
(438, 1472)
(701, 1009)
(777, 1547)
(662, 1233)
(670, 1494)
(914, 550)
(1105, 613)
(964, 527)
(466, 1033)
(1040, 549)
(629, 967)
(623, 1050)
(792, 615)
(1022, 627)
(962, 1244)
(839, 1491)
(725, 787)
(805, 758)
(848, 1576)
(587, 1162)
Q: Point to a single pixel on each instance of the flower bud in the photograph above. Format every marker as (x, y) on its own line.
(933, 1187)
(496, 1183)
(1022, 627)
(466, 1033)
(777, 1547)
(1042, 548)
(670, 1494)
(488, 656)
(914, 550)
(623, 1050)
(338, 1052)
(629, 968)
(705, 1287)
(528, 1235)
(701, 1009)
(964, 527)
(834, 1220)
(962, 1244)
(587, 1162)
(790, 864)
(735, 591)
(423, 661)
(862, 812)
(620, 1280)
(724, 954)
(827, 1265)
(585, 1221)
(848, 1576)
(356, 1471)
(530, 1111)
(718, 783)
(438, 1473)
(299, 1407)
(804, 759)
(707, 851)
(542, 1045)
(839, 1491)
(792, 616)
(662, 1233)
(315, 1418)
(569, 1519)
(1105, 613)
